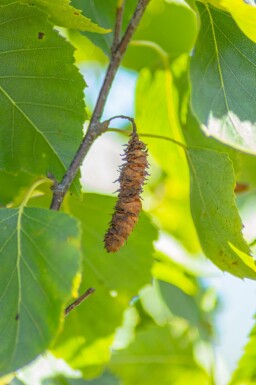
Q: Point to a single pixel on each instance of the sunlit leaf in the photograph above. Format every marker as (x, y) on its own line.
(166, 270)
(63, 14)
(244, 164)
(215, 213)
(223, 79)
(243, 13)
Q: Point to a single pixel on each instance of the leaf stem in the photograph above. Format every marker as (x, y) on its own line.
(79, 300)
(32, 189)
(95, 128)
(156, 47)
(124, 132)
(165, 138)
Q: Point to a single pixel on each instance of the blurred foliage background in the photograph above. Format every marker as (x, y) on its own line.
(154, 315)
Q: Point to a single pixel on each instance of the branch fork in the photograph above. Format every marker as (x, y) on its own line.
(96, 128)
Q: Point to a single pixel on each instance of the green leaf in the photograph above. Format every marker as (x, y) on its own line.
(117, 278)
(178, 19)
(215, 213)
(245, 373)
(158, 355)
(187, 307)
(180, 303)
(63, 14)
(177, 293)
(243, 13)
(178, 274)
(244, 164)
(169, 26)
(41, 94)
(12, 184)
(40, 260)
(223, 80)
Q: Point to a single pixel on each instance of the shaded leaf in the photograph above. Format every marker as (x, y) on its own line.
(187, 307)
(157, 354)
(178, 293)
(223, 80)
(117, 278)
(41, 94)
(215, 213)
(40, 260)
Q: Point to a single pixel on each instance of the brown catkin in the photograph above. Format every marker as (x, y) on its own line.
(128, 206)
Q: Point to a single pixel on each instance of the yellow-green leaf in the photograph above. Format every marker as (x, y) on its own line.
(215, 214)
(63, 14)
(244, 15)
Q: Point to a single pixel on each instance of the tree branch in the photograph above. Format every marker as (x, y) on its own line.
(79, 300)
(95, 129)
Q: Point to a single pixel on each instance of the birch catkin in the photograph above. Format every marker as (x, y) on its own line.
(132, 177)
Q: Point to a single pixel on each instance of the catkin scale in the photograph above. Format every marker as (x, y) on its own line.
(128, 206)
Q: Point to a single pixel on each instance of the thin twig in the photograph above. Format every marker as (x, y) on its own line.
(79, 300)
(134, 128)
(118, 26)
(95, 129)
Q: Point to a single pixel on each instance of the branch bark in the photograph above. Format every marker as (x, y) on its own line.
(118, 26)
(95, 129)
(79, 300)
